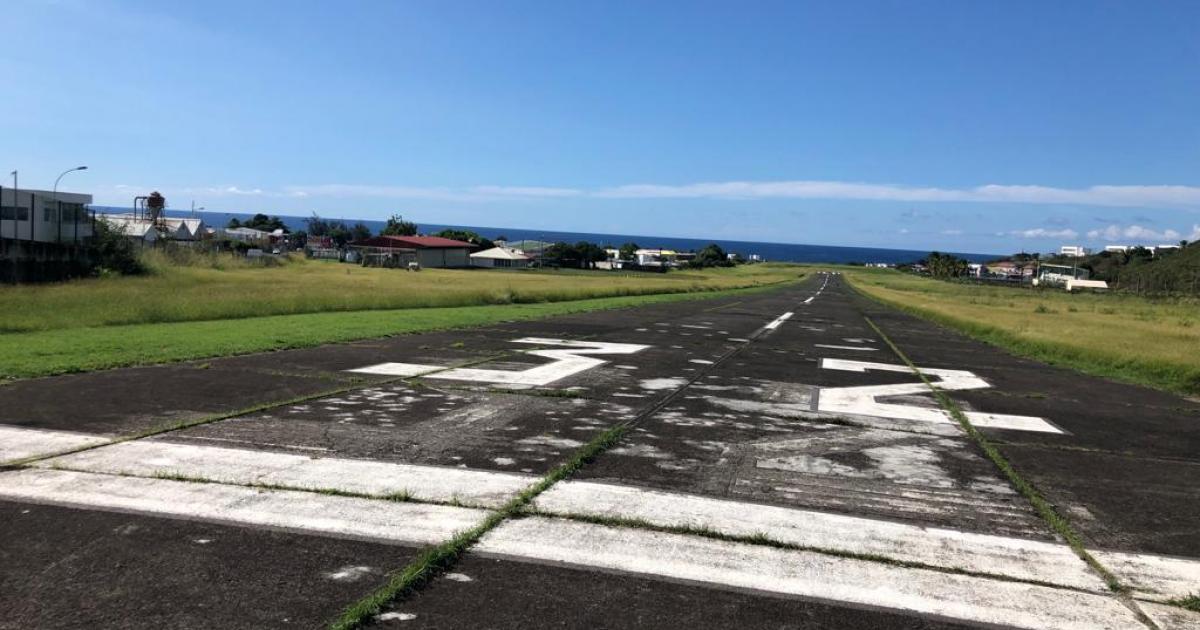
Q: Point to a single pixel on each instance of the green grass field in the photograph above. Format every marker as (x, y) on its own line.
(175, 293)
(1153, 342)
(106, 323)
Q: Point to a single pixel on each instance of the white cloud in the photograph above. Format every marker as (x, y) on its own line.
(1195, 235)
(1133, 233)
(475, 193)
(1133, 196)
(528, 191)
(1044, 233)
(952, 232)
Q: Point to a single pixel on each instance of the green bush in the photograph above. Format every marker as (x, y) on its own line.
(112, 252)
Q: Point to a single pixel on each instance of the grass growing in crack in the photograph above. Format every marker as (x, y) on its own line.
(1191, 602)
(435, 560)
(1044, 509)
(538, 391)
(187, 424)
(403, 496)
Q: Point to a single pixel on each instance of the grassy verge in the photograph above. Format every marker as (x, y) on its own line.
(1123, 337)
(1044, 509)
(433, 561)
(223, 287)
(51, 352)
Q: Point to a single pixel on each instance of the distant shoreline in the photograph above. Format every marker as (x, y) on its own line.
(774, 252)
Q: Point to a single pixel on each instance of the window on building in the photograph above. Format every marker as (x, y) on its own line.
(72, 212)
(8, 213)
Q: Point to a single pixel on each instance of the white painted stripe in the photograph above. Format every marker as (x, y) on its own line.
(20, 443)
(149, 458)
(779, 320)
(945, 548)
(806, 574)
(390, 521)
(1171, 617)
(1153, 577)
(809, 300)
(855, 348)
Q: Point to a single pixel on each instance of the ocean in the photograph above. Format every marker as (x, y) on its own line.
(777, 252)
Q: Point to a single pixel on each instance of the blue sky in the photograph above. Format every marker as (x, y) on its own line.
(968, 126)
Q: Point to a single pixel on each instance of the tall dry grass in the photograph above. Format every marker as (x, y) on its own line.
(1148, 341)
(210, 287)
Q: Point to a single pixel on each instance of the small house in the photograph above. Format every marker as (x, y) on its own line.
(502, 257)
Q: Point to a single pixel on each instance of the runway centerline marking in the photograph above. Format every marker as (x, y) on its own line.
(863, 400)
(779, 320)
(855, 348)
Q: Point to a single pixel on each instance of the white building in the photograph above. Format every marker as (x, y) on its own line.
(1076, 251)
(169, 228)
(44, 217)
(246, 235)
(502, 257)
(1117, 249)
(655, 257)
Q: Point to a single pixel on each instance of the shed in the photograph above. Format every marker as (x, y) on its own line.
(505, 257)
(431, 251)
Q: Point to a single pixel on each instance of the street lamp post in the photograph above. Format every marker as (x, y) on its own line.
(58, 205)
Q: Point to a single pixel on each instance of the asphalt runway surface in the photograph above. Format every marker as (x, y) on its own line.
(782, 468)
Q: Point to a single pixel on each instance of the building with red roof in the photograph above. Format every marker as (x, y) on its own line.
(429, 251)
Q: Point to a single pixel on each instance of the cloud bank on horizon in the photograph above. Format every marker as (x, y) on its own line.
(1123, 196)
(1178, 198)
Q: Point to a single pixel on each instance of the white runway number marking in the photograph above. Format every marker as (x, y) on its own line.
(572, 358)
(864, 400)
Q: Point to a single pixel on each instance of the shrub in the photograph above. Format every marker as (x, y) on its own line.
(113, 252)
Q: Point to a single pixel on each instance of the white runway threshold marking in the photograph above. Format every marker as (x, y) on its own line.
(863, 401)
(151, 458)
(946, 548)
(806, 574)
(19, 443)
(104, 484)
(419, 523)
(576, 357)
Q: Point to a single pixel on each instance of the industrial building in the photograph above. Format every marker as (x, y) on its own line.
(44, 235)
(42, 216)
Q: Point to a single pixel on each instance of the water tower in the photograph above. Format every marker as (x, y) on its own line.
(151, 208)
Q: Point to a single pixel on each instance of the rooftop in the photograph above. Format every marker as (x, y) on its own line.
(417, 242)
